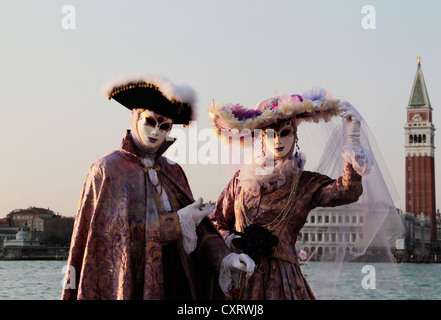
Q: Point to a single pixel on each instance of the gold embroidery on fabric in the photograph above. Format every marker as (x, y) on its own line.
(350, 182)
(281, 217)
(130, 86)
(177, 225)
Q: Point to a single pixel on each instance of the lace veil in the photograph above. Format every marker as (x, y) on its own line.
(364, 232)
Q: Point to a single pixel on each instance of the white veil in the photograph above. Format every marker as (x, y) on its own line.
(371, 238)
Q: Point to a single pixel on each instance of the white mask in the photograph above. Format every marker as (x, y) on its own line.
(280, 141)
(152, 129)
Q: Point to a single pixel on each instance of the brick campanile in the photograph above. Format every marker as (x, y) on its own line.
(420, 153)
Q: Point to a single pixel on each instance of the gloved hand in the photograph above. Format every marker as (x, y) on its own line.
(189, 218)
(360, 158)
(231, 267)
(241, 262)
(352, 119)
(195, 212)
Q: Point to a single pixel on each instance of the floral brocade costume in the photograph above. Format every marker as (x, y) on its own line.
(280, 277)
(124, 246)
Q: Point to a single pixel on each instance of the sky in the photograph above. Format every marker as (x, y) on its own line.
(57, 55)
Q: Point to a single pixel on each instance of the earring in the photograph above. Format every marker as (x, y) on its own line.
(297, 154)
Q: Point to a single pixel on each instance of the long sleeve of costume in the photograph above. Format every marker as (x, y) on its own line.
(330, 193)
(224, 212)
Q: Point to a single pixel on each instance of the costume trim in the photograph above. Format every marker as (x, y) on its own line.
(170, 90)
(346, 182)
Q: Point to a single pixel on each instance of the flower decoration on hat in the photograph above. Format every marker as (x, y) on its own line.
(314, 105)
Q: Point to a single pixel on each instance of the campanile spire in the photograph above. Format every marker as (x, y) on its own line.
(420, 153)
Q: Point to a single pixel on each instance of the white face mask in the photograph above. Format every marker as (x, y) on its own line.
(280, 143)
(153, 129)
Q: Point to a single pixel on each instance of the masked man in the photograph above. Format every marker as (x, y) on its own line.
(138, 233)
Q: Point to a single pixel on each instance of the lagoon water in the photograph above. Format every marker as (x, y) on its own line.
(42, 280)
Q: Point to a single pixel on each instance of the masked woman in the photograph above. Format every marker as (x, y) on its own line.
(265, 205)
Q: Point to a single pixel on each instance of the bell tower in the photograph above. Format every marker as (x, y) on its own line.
(420, 153)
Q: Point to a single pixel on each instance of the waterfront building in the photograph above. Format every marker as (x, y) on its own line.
(416, 238)
(41, 225)
(24, 248)
(21, 240)
(323, 232)
(33, 219)
(329, 231)
(419, 149)
(6, 232)
(422, 236)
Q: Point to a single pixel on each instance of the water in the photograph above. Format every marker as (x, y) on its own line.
(392, 281)
(31, 280)
(42, 280)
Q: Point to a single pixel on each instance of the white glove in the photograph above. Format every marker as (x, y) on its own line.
(241, 262)
(189, 218)
(230, 270)
(359, 157)
(195, 212)
(352, 119)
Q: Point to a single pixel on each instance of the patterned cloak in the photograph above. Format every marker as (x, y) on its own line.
(125, 247)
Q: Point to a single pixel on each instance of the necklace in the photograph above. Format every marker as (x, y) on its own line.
(279, 220)
(156, 167)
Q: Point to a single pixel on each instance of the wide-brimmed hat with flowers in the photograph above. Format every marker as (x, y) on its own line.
(313, 105)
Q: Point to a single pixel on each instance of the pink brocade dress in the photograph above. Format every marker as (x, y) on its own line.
(280, 277)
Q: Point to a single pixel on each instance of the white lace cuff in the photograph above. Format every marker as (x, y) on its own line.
(229, 238)
(360, 158)
(188, 231)
(228, 278)
(229, 242)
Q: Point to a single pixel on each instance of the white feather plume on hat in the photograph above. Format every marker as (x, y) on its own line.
(172, 91)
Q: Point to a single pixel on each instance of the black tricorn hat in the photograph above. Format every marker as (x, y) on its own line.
(156, 94)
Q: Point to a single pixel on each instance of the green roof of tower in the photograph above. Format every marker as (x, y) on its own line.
(419, 96)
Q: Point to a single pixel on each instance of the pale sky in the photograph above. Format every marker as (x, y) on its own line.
(54, 121)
